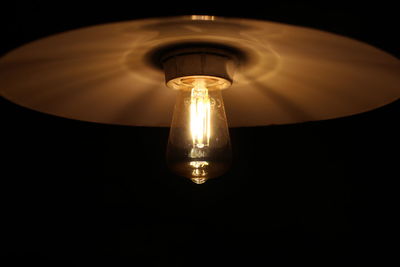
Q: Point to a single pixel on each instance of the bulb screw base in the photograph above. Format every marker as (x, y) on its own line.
(182, 64)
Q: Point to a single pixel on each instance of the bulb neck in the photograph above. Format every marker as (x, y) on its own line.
(183, 65)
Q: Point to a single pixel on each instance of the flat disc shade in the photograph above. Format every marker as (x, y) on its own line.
(286, 74)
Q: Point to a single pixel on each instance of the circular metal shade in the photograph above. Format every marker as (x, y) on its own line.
(287, 74)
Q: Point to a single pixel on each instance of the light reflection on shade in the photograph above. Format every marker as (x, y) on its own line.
(202, 17)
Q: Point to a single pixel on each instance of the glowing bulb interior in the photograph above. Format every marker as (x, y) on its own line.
(199, 146)
(200, 109)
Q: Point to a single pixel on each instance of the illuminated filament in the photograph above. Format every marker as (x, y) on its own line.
(200, 109)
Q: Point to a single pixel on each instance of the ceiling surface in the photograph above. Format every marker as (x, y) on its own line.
(316, 193)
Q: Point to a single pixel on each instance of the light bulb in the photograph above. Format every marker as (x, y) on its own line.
(199, 144)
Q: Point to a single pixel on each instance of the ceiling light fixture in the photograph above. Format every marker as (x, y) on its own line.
(113, 73)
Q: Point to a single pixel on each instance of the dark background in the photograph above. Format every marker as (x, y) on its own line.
(317, 193)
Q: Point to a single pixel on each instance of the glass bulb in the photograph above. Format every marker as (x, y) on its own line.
(199, 144)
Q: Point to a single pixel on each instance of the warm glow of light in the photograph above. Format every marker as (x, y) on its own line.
(200, 111)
